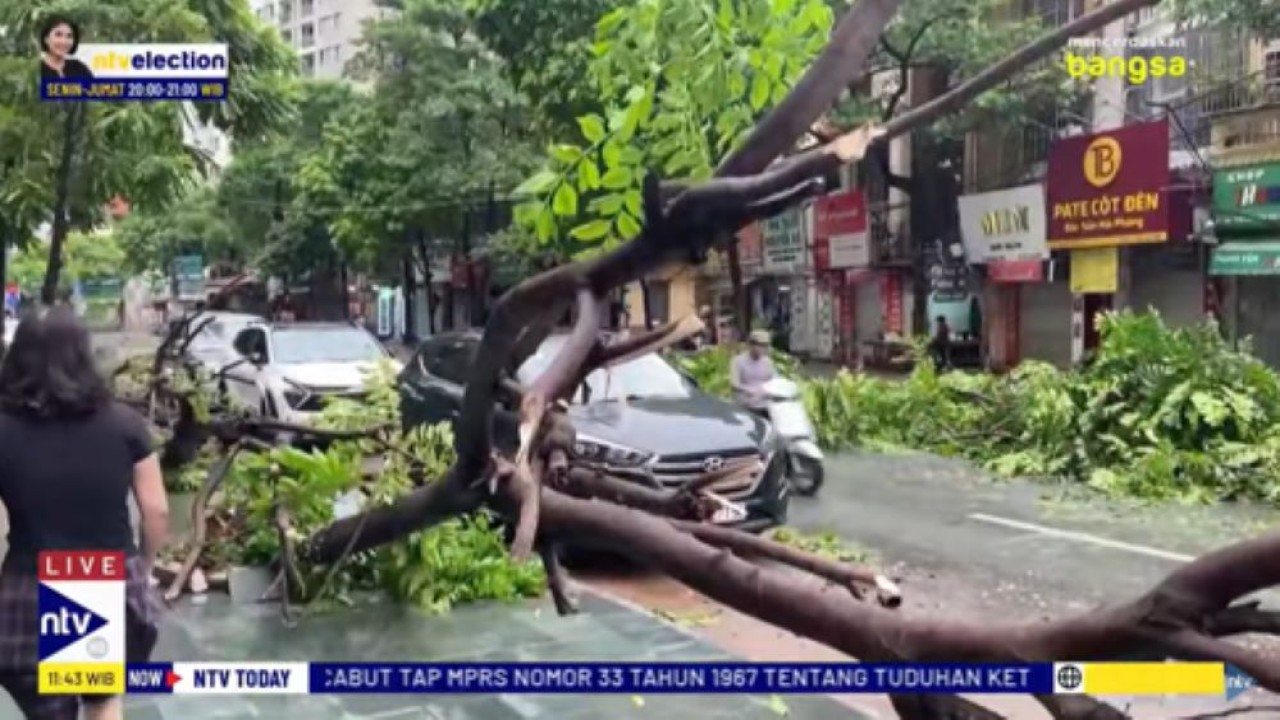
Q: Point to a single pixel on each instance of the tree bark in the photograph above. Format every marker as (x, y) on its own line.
(61, 193)
(410, 291)
(741, 303)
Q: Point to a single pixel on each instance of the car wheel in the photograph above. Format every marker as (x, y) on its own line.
(806, 476)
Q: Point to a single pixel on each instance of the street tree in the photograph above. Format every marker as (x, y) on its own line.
(196, 225)
(546, 53)
(67, 160)
(88, 257)
(259, 191)
(438, 143)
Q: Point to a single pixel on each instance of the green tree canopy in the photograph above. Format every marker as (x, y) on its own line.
(441, 131)
(64, 161)
(196, 225)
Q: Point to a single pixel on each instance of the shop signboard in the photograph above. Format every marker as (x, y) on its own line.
(1246, 200)
(1004, 225)
(891, 303)
(1109, 189)
(785, 237)
(840, 238)
(1095, 270)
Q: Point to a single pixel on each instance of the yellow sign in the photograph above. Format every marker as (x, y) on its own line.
(1102, 161)
(1096, 270)
(81, 678)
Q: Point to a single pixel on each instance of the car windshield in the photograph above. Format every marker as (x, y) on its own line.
(337, 345)
(648, 376)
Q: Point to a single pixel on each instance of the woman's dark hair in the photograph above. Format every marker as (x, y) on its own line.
(52, 23)
(48, 371)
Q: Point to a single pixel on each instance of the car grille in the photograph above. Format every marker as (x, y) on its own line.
(673, 471)
(316, 401)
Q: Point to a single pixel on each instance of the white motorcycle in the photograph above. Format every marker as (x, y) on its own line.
(804, 458)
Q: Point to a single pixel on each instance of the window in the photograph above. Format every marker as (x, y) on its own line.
(328, 24)
(286, 11)
(447, 358)
(659, 298)
(330, 56)
(307, 8)
(311, 345)
(309, 65)
(252, 343)
(1271, 71)
(308, 35)
(287, 35)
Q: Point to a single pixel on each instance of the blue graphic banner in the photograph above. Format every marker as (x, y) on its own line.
(107, 89)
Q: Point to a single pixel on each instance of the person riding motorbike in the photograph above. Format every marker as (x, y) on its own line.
(751, 370)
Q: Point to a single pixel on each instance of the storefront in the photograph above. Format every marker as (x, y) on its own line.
(1004, 232)
(788, 301)
(1246, 214)
(1105, 191)
(841, 257)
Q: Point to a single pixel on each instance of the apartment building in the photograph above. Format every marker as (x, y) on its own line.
(326, 33)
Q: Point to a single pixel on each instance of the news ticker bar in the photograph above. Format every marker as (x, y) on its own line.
(132, 89)
(299, 678)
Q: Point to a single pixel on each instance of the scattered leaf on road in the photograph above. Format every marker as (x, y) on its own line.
(777, 705)
(639, 701)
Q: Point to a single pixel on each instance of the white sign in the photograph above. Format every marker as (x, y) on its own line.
(785, 241)
(1005, 225)
(157, 61)
(852, 250)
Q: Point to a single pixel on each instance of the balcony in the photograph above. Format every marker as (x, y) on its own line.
(1256, 91)
(889, 230)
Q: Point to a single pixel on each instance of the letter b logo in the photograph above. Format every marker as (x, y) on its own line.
(1102, 161)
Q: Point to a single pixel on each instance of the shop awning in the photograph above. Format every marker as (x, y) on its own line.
(1246, 258)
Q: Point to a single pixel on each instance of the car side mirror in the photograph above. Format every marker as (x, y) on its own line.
(257, 358)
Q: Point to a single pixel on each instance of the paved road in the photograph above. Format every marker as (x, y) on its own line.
(1016, 550)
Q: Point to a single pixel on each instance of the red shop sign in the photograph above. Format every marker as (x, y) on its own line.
(891, 302)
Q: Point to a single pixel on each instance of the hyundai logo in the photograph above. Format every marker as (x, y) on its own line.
(713, 463)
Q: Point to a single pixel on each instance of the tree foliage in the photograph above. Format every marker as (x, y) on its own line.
(195, 226)
(134, 150)
(545, 47)
(98, 256)
(681, 82)
(441, 131)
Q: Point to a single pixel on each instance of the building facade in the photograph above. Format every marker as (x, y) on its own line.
(326, 33)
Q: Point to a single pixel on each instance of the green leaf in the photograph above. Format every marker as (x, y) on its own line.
(565, 201)
(618, 178)
(545, 227)
(612, 155)
(782, 8)
(634, 202)
(588, 175)
(593, 230)
(777, 705)
(592, 127)
(759, 92)
(607, 205)
(567, 154)
(539, 183)
(628, 227)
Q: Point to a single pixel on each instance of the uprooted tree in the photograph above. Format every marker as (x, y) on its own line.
(549, 499)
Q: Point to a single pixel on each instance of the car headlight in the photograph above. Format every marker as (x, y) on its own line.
(294, 398)
(605, 453)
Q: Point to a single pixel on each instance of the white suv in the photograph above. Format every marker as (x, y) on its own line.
(287, 370)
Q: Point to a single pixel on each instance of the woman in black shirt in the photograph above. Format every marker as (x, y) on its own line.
(59, 40)
(69, 456)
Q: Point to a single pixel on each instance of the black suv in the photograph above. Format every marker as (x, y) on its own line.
(641, 420)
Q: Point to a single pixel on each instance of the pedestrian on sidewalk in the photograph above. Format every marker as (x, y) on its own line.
(69, 457)
(940, 346)
(751, 370)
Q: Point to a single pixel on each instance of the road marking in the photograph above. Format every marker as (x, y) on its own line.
(1082, 537)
